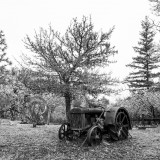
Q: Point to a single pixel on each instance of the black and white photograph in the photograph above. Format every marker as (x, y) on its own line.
(79, 80)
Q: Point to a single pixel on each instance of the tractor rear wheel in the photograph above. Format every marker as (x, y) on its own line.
(119, 131)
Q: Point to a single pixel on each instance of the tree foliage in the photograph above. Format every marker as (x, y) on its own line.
(155, 6)
(35, 82)
(145, 63)
(3, 60)
(69, 59)
(3, 46)
(146, 103)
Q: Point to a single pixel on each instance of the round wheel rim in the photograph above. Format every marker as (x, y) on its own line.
(120, 130)
(62, 131)
(94, 136)
(65, 132)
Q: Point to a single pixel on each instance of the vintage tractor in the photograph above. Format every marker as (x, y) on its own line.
(96, 122)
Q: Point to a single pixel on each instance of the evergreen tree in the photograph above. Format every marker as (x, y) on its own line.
(3, 46)
(3, 60)
(145, 63)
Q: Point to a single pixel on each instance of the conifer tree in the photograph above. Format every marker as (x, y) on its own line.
(146, 61)
(4, 61)
(3, 46)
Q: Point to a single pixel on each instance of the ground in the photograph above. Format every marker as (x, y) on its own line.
(23, 142)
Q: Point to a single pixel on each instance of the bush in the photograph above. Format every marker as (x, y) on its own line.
(58, 116)
(138, 104)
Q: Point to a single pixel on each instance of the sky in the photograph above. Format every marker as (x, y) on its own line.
(19, 18)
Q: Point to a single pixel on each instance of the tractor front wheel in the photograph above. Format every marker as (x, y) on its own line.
(94, 136)
(65, 133)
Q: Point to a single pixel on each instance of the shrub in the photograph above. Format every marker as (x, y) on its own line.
(58, 116)
(138, 104)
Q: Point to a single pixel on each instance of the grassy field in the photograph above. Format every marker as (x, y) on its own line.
(22, 142)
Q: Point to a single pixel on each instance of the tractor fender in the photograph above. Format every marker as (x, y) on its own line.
(111, 113)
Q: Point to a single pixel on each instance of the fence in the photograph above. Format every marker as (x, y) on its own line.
(145, 121)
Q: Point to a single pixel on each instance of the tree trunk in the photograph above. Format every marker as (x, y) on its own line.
(67, 97)
(152, 111)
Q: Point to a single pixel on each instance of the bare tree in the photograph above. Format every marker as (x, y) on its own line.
(70, 58)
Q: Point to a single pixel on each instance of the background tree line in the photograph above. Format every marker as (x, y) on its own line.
(67, 65)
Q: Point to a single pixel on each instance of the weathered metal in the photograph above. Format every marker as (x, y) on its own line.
(111, 115)
(95, 122)
(147, 122)
(35, 109)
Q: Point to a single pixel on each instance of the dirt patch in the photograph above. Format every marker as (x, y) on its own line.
(22, 141)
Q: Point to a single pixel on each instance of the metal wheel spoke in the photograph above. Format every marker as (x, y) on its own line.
(123, 119)
(126, 128)
(65, 128)
(64, 132)
(113, 131)
(118, 125)
(94, 136)
(119, 118)
(119, 130)
(126, 134)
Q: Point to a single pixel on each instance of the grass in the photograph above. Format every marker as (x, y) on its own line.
(22, 142)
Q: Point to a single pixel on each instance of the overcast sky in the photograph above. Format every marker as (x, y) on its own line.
(21, 17)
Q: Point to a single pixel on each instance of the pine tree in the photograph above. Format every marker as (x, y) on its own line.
(3, 60)
(3, 46)
(145, 63)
